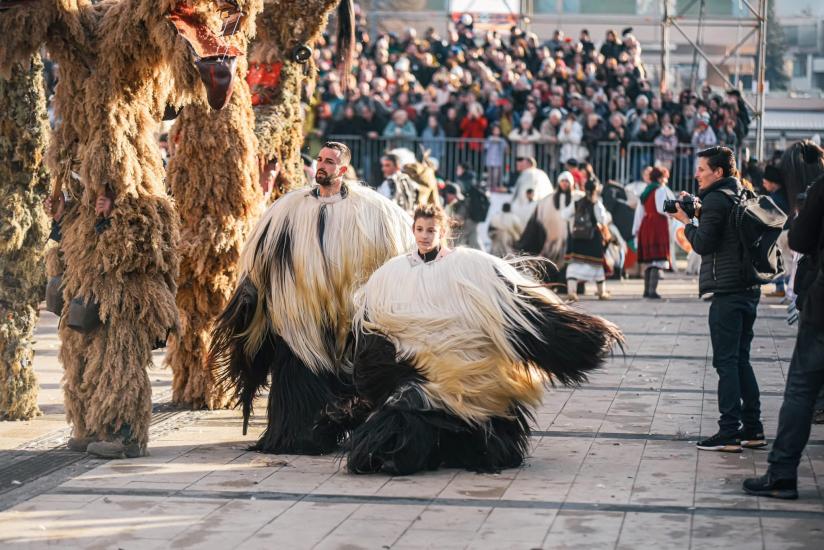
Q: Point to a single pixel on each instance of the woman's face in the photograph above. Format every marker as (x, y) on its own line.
(427, 234)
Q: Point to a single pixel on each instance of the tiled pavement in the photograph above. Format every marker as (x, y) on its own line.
(613, 464)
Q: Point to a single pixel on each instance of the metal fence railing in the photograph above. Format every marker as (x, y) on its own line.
(610, 160)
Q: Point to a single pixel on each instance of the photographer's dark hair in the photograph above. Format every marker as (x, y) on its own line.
(720, 157)
(800, 165)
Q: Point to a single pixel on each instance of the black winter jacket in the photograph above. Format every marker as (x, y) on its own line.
(807, 236)
(716, 240)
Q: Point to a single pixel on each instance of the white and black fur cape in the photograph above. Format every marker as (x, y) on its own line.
(453, 356)
(291, 314)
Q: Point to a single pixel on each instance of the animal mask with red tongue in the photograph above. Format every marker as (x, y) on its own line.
(215, 58)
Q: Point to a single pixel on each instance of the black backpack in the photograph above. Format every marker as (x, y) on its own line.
(759, 223)
(584, 225)
(478, 204)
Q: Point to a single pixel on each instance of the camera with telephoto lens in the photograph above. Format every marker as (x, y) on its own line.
(687, 203)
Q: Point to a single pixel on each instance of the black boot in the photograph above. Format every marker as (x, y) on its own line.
(767, 486)
(654, 274)
(646, 282)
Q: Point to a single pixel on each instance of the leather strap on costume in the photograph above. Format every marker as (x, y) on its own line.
(215, 58)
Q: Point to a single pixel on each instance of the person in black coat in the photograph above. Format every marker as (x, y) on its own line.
(805, 377)
(734, 302)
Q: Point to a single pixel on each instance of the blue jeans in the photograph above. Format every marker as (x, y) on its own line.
(805, 380)
(731, 319)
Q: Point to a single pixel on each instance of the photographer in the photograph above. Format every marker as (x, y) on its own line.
(805, 377)
(734, 302)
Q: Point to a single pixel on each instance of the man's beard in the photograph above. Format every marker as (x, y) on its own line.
(324, 180)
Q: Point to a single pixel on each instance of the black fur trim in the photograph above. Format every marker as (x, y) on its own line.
(321, 225)
(398, 439)
(497, 444)
(377, 372)
(283, 250)
(244, 375)
(298, 411)
(572, 343)
(405, 435)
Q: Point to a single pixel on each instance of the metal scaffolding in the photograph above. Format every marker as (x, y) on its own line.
(756, 21)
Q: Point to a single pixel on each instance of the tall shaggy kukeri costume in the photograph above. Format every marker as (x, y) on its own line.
(292, 312)
(281, 66)
(120, 61)
(453, 355)
(213, 177)
(24, 131)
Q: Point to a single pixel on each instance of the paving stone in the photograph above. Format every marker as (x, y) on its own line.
(611, 464)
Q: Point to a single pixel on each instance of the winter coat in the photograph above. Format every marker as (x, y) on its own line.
(716, 240)
(807, 236)
(569, 136)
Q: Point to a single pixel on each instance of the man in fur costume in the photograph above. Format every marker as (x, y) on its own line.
(453, 351)
(120, 63)
(291, 314)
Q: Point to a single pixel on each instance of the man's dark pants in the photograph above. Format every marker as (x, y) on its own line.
(804, 380)
(731, 320)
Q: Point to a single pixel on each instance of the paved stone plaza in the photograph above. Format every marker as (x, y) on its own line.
(613, 464)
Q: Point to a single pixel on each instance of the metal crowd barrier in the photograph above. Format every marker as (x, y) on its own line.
(609, 160)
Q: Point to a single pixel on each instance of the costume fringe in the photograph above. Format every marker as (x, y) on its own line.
(453, 355)
(306, 279)
(291, 314)
(482, 334)
(24, 184)
(408, 433)
(112, 91)
(283, 25)
(213, 176)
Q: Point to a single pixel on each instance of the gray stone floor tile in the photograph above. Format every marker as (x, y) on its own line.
(580, 530)
(612, 464)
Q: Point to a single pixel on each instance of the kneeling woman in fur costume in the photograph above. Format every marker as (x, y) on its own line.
(291, 314)
(454, 348)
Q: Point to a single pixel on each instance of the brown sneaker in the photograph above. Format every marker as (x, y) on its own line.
(818, 417)
(115, 449)
(605, 296)
(753, 440)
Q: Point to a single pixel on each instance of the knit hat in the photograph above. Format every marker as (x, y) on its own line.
(773, 174)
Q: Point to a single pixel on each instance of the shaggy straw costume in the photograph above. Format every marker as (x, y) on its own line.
(453, 355)
(292, 312)
(119, 64)
(282, 27)
(213, 177)
(23, 228)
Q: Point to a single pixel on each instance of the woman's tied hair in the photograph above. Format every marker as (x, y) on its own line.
(435, 212)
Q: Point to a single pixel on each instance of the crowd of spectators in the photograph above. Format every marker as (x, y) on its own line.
(517, 90)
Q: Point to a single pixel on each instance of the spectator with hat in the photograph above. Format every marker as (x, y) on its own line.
(703, 137)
